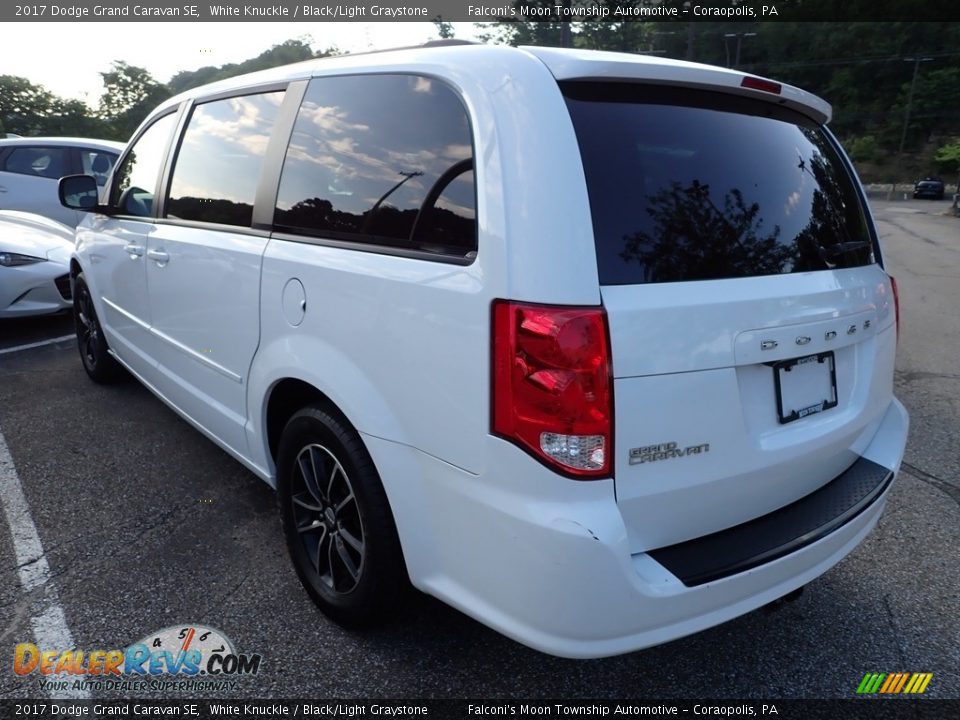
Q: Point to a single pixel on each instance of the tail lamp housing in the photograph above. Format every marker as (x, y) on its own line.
(552, 385)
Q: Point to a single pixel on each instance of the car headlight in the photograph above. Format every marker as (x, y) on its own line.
(9, 259)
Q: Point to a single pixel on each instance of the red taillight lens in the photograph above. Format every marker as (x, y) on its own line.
(552, 391)
(896, 303)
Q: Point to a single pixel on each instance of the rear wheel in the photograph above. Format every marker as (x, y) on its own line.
(337, 521)
(94, 352)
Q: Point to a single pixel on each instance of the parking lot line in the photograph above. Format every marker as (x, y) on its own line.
(41, 343)
(48, 620)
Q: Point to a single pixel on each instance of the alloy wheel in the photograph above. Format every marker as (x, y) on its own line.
(327, 518)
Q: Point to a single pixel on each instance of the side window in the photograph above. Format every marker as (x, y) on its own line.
(381, 159)
(136, 179)
(218, 165)
(97, 163)
(45, 162)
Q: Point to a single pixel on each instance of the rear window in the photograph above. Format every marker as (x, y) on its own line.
(688, 185)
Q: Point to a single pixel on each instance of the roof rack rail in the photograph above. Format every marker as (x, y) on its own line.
(448, 42)
(443, 42)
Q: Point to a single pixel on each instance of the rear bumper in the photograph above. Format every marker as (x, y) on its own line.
(780, 533)
(558, 574)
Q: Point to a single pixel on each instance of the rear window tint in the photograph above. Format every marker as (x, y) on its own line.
(383, 161)
(688, 185)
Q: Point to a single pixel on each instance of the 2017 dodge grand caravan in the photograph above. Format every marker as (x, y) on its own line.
(596, 348)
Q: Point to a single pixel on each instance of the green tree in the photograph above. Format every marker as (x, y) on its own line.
(947, 159)
(289, 51)
(24, 107)
(130, 93)
(444, 29)
(32, 110)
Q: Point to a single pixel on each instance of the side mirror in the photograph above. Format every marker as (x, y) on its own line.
(80, 192)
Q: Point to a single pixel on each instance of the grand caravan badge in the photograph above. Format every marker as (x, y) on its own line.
(665, 451)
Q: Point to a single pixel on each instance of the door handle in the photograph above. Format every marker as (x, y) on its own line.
(134, 251)
(3, 188)
(159, 257)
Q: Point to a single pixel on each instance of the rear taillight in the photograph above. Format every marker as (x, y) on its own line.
(896, 303)
(552, 392)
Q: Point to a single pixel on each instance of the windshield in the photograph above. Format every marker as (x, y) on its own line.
(693, 185)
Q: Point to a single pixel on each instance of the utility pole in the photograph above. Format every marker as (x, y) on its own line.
(739, 37)
(906, 118)
(690, 34)
(566, 34)
(913, 84)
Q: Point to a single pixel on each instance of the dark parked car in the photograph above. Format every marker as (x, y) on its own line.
(929, 187)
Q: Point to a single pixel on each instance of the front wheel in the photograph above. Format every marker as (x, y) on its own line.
(94, 352)
(337, 522)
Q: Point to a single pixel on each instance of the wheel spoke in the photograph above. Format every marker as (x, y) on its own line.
(347, 561)
(333, 575)
(309, 476)
(343, 503)
(320, 494)
(352, 541)
(313, 526)
(324, 539)
(337, 470)
(307, 506)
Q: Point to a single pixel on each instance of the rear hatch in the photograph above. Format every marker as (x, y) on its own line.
(752, 329)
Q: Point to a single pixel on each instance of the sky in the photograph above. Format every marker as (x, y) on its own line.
(66, 58)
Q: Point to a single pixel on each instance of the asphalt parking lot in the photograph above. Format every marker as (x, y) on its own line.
(145, 524)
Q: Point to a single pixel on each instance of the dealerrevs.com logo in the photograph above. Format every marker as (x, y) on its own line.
(181, 657)
(894, 683)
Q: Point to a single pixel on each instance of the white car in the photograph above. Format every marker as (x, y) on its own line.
(34, 265)
(597, 348)
(31, 167)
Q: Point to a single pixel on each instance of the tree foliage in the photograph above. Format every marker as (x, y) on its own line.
(444, 29)
(130, 93)
(864, 69)
(28, 109)
(287, 52)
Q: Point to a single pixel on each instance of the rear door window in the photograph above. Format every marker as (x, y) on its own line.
(45, 162)
(688, 185)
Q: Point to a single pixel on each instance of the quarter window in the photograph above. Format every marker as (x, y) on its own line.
(218, 165)
(97, 164)
(136, 180)
(385, 160)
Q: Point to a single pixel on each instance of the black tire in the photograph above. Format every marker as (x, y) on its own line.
(94, 352)
(341, 538)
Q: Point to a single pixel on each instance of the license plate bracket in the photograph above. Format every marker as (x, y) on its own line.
(805, 386)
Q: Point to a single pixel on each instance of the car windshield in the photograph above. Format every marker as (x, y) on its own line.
(688, 185)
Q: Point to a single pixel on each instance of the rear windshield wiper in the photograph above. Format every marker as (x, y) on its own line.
(842, 247)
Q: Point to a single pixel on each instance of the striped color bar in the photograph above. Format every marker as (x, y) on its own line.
(894, 683)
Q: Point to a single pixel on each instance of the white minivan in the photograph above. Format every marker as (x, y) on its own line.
(597, 348)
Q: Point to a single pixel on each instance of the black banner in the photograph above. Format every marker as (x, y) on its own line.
(867, 709)
(482, 11)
